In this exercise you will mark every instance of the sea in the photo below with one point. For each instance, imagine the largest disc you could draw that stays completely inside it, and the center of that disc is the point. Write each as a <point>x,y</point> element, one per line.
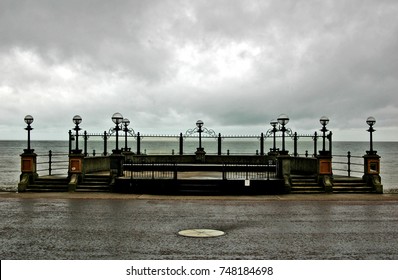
<point>10,152</point>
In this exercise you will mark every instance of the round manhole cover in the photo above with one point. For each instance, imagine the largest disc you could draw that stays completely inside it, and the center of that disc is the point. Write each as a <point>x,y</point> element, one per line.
<point>201,233</point>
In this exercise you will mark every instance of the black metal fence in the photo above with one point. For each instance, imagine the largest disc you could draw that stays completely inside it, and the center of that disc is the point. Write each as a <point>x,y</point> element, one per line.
<point>348,164</point>
<point>226,171</point>
<point>52,163</point>
<point>186,144</point>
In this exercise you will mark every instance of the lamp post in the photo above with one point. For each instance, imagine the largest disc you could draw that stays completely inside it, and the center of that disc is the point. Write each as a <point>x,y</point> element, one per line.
<point>117,118</point>
<point>199,124</point>
<point>372,162</point>
<point>126,123</point>
<point>28,161</point>
<point>77,120</point>
<point>371,121</point>
<point>28,120</point>
<point>273,123</point>
<point>324,121</point>
<point>283,120</point>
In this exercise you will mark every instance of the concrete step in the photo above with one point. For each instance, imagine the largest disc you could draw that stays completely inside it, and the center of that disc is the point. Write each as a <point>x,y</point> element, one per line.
<point>49,184</point>
<point>94,183</point>
<point>305,184</point>
<point>307,189</point>
<point>47,188</point>
<point>339,180</point>
<point>97,188</point>
<point>350,185</point>
<point>352,189</point>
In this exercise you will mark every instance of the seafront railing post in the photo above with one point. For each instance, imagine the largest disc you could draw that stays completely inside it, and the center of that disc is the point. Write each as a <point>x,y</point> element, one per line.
<point>50,154</point>
<point>138,143</point>
<point>219,140</point>
<point>70,141</point>
<point>181,143</point>
<point>105,137</point>
<point>349,163</point>
<point>330,136</point>
<point>85,137</point>
<point>315,139</point>
<point>273,131</point>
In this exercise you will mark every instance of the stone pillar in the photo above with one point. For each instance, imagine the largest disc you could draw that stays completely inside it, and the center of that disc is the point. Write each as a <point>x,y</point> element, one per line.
<point>28,170</point>
<point>76,170</point>
<point>325,173</point>
<point>284,172</point>
<point>372,171</point>
<point>116,165</point>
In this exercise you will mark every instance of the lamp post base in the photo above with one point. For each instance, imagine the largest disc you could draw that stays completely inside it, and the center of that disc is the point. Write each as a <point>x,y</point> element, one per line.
<point>116,152</point>
<point>284,153</point>
<point>200,155</point>
<point>325,153</point>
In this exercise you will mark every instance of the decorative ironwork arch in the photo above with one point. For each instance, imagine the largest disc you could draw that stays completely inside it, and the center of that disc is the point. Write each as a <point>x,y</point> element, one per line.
<point>205,130</point>
<point>130,131</point>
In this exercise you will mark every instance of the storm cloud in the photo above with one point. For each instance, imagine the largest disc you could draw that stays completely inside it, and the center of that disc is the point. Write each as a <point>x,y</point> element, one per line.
<point>164,64</point>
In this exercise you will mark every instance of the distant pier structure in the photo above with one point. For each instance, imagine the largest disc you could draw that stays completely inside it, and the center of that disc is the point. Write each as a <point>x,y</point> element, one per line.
<point>276,171</point>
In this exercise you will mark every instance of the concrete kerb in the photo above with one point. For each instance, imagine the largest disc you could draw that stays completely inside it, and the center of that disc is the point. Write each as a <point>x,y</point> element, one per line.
<point>284,197</point>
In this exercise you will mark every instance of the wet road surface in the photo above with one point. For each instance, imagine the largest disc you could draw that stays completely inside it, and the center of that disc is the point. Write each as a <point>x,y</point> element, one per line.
<point>46,228</point>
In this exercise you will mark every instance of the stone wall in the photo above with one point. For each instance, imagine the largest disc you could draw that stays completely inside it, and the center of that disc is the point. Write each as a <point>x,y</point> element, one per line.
<point>304,165</point>
<point>96,164</point>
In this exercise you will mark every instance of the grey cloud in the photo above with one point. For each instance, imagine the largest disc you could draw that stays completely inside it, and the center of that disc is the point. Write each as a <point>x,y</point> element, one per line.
<point>234,64</point>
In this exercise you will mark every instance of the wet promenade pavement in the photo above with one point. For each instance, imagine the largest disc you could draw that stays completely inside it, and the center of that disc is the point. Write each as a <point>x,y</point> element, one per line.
<point>111,226</point>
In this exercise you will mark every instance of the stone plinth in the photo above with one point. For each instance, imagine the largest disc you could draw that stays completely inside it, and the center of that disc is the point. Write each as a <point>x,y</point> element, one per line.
<point>28,169</point>
<point>325,172</point>
<point>372,171</point>
<point>284,168</point>
<point>200,155</point>
<point>75,170</point>
<point>116,164</point>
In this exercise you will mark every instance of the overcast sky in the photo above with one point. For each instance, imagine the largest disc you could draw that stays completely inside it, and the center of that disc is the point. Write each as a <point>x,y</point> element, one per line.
<point>236,65</point>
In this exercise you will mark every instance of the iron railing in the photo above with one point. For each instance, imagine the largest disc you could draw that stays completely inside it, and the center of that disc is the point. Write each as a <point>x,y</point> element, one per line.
<point>50,162</point>
<point>225,171</point>
<point>350,165</point>
<point>180,142</point>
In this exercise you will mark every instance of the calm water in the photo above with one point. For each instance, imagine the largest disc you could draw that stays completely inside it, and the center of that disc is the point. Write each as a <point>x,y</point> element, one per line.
<point>11,150</point>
